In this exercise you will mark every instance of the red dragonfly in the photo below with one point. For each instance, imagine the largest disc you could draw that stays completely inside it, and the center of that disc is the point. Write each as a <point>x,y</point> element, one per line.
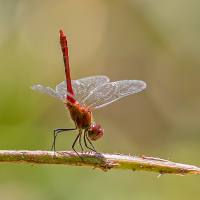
<point>83,95</point>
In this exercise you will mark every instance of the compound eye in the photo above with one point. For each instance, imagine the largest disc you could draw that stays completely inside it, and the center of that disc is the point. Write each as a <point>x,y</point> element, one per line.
<point>95,132</point>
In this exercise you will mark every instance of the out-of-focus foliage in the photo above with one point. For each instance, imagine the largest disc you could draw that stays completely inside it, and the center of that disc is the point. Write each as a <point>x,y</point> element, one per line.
<point>154,41</point>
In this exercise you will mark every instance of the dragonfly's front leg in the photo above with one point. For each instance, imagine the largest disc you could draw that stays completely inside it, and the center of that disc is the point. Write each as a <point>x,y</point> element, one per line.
<point>86,136</point>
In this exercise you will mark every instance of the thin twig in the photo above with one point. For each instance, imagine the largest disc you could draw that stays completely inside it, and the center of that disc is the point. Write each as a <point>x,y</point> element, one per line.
<point>103,161</point>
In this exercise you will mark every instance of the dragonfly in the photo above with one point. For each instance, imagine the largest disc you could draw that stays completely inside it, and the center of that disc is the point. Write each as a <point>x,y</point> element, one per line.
<point>84,95</point>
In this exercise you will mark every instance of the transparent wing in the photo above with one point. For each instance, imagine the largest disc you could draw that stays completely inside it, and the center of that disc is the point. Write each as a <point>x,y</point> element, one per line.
<point>83,87</point>
<point>60,94</point>
<point>62,89</point>
<point>49,91</point>
<point>109,92</point>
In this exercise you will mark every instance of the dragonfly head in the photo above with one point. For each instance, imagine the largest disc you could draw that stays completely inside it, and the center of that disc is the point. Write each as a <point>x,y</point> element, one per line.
<point>95,132</point>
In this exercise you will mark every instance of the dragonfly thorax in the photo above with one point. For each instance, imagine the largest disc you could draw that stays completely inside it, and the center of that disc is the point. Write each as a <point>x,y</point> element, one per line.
<point>95,132</point>
<point>82,117</point>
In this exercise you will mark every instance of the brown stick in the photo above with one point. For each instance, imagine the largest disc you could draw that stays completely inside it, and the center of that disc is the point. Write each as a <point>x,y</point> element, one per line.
<point>103,161</point>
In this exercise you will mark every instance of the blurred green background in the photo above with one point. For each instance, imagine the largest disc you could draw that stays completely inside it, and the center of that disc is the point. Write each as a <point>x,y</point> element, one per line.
<point>154,41</point>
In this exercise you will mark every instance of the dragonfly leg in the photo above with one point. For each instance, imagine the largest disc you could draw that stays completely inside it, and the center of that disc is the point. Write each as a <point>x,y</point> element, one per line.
<point>79,140</point>
<point>78,137</point>
<point>85,136</point>
<point>55,132</point>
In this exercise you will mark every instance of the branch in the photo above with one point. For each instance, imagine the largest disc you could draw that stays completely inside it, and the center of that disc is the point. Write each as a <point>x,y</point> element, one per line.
<point>102,161</point>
